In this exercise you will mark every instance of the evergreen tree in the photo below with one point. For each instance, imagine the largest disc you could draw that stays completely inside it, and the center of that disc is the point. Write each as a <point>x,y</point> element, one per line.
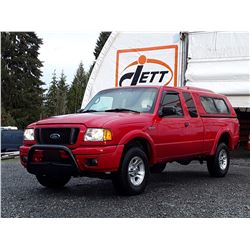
<point>51,97</point>
<point>22,92</point>
<point>76,91</point>
<point>103,37</point>
<point>61,96</point>
<point>6,118</point>
<point>100,43</point>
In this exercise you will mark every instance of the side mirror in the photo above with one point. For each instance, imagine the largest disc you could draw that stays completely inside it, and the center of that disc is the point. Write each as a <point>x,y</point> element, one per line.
<point>167,111</point>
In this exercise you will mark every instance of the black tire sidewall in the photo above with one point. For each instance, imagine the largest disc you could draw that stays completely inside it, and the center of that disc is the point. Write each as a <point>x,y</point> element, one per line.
<point>122,182</point>
<point>53,181</point>
<point>214,165</point>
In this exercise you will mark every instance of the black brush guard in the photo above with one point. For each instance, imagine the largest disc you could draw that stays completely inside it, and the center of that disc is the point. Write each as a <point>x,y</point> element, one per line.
<point>51,167</point>
<point>55,168</point>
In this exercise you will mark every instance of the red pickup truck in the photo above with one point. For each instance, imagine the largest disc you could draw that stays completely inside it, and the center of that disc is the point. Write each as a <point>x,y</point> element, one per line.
<point>126,133</point>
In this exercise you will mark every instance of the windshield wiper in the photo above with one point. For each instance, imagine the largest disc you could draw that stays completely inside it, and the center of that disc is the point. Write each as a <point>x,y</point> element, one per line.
<point>121,110</point>
<point>88,111</point>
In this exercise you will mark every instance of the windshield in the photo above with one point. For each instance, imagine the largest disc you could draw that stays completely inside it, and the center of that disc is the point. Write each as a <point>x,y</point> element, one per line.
<point>123,99</point>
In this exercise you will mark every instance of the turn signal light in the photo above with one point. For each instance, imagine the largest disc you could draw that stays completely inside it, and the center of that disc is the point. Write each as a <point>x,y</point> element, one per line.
<point>107,135</point>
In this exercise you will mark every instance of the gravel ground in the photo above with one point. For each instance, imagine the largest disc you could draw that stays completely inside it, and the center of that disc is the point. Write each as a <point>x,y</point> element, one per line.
<point>180,191</point>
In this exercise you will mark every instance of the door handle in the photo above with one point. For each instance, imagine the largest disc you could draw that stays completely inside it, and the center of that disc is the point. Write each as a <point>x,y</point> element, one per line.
<point>186,124</point>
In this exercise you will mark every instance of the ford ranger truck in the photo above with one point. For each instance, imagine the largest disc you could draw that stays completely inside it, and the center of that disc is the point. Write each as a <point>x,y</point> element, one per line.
<point>127,133</point>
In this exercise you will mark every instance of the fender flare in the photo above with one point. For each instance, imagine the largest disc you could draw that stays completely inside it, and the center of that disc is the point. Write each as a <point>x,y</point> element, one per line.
<point>140,134</point>
<point>217,138</point>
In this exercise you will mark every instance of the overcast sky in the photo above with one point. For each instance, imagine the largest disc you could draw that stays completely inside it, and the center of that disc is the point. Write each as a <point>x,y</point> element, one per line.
<point>64,51</point>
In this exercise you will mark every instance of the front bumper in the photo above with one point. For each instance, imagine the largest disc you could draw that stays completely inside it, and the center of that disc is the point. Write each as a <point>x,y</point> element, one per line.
<point>75,162</point>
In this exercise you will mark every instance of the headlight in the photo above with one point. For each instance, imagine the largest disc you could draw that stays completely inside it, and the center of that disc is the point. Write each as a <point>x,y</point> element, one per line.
<point>29,134</point>
<point>98,134</point>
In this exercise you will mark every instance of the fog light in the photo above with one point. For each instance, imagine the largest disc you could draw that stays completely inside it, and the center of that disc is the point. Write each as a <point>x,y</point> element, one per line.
<point>37,156</point>
<point>91,162</point>
<point>63,154</point>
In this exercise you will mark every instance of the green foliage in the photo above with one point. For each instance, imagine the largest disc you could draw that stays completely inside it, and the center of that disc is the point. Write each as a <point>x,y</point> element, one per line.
<point>77,89</point>
<point>103,37</point>
<point>51,97</point>
<point>22,92</point>
<point>61,99</point>
<point>23,100</point>
<point>61,95</point>
<point>100,43</point>
<point>7,119</point>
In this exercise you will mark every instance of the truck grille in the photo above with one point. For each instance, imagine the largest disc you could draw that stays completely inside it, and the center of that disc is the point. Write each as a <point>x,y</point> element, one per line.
<point>58,136</point>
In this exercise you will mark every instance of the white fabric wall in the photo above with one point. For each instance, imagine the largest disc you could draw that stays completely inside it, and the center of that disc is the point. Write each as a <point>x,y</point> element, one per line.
<point>219,61</point>
<point>103,74</point>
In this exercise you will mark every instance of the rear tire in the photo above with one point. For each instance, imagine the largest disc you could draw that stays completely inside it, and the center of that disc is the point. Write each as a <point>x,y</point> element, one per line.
<point>132,177</point>
<point>53,181</point>
<point>158,168</point>
<point>218,164</point>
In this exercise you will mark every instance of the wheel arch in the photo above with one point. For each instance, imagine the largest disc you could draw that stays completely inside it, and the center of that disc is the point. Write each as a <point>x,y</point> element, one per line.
<point>223,136</point>
<point>142,141</point>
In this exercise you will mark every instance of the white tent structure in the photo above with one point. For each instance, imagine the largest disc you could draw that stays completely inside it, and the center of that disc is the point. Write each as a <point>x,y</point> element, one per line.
<point>219,61</point>
<point>123,48</point>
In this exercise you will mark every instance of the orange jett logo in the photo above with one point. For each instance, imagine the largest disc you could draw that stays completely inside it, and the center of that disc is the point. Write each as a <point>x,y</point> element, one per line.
<point>154,65</point>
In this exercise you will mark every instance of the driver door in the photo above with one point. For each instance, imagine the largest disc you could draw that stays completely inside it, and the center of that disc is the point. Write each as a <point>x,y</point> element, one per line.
<point>171,128</point>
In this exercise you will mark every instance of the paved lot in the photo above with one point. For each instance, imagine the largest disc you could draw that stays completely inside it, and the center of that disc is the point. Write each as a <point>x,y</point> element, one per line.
<point>181,191</point>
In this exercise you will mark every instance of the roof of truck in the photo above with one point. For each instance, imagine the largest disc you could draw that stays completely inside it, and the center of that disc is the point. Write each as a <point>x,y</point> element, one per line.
<point>196,89</point>
<point>191,89</point>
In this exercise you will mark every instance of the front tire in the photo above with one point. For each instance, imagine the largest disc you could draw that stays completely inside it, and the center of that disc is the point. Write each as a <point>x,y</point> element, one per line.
<point>132,177</point>
<point>218,164</point>
<point>53,181</point>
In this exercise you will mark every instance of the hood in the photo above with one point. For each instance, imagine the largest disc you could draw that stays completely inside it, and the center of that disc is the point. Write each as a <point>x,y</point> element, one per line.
<point>97,119</point>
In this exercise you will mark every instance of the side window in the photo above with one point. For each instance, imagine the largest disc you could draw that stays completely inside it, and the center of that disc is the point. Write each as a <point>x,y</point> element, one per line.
<point>208,105</point>
<point>214,105</point>
<point>190,104</point>
<point>171,101</point>
<point>221,106</point>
